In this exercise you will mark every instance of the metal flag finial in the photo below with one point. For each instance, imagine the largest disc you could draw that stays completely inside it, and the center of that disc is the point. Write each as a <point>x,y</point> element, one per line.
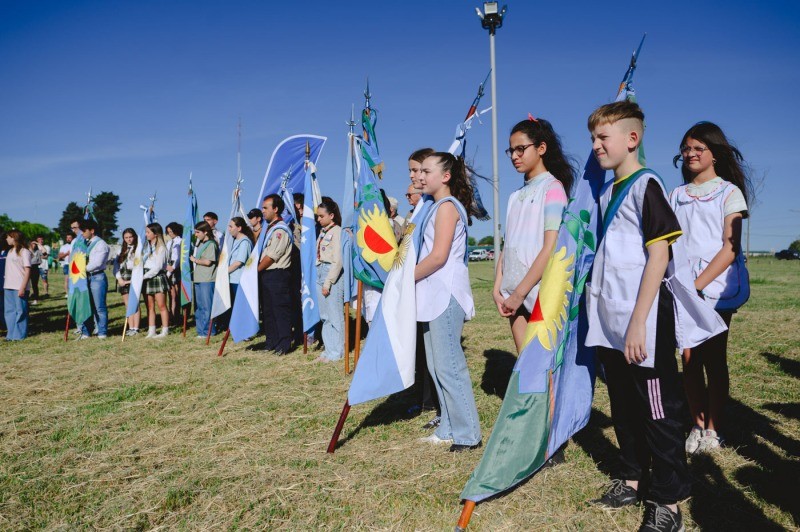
<point>367,95</point>
<point>352,122</point>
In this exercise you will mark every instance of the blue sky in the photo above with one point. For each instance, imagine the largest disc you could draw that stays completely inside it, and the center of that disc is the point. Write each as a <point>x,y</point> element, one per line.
<point>132,96</point>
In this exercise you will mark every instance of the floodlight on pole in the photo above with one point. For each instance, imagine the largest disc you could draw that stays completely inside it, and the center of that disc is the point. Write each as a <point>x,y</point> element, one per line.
<point>492,19</point>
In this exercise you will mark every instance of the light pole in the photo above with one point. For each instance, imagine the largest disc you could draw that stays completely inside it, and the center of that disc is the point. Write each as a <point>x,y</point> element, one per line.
<point>491,19</point>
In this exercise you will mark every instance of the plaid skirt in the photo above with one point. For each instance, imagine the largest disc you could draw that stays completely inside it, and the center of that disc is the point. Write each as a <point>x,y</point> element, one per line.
<point>157,284</point>
<point>125,273</point>
<point>175,278</point>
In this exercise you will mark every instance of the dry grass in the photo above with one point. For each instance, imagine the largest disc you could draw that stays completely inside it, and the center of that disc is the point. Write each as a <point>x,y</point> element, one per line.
<point>163,434</point>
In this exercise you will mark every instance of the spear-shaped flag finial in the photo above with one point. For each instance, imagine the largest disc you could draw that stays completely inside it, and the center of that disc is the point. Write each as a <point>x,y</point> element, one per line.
<point>628,78</point>
<point>352,122</point>
<point>367,95</point>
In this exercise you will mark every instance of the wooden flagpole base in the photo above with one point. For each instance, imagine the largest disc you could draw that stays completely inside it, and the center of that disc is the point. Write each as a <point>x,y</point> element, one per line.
<point>210,325</point>
<point>305,343</point>
<point>66,329</point>
<point>466,515</point>
<point>359,302</point>
<point>224,341</point>
<point>124,329</point>
<point>339,426</point>
<point>347,338</point>
<point>185,319</point>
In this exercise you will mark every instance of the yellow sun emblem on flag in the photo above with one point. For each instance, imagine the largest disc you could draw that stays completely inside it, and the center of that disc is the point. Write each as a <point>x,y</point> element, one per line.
<point>550,310</point>
<point>402,248</point>
<point>77,267</point>
<point>376,238</point>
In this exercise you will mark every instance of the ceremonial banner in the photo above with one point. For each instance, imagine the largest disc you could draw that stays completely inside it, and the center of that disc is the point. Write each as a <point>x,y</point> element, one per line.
<point>289,156</point>
<point>308,256</point>
<point>244,316</point>
<point>79,303</point>
<point>374,243</point>
<point>139,256</point>
<point>186,247</point>
<point>222,280</point>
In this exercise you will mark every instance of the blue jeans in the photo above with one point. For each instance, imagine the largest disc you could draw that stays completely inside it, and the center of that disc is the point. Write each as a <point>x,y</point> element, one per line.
<point>331,312</point>
<point>15,310</point>
<point>98,287</point>
<point>448,367</point>
<point>203,296</point>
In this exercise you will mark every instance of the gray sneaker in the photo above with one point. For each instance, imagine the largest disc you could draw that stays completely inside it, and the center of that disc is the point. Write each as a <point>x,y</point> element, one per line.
<point>710,441</point>
<point>618,495</point>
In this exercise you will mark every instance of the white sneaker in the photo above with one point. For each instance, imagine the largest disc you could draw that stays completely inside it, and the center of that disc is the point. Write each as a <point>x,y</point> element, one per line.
<point>83,337</point>
<point>709,442</point>
<point>131,332</point>
<point>164,333</point>
<point>693,441</point>
<point>151,333</point>
<point>101,336</point>
<point>436,440</point>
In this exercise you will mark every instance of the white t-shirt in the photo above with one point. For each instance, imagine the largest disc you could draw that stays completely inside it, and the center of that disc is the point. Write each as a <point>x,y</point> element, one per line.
<point>66,248</point>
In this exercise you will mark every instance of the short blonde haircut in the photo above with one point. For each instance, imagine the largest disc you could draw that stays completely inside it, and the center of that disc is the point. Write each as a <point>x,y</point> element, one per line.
<point>614,112</point>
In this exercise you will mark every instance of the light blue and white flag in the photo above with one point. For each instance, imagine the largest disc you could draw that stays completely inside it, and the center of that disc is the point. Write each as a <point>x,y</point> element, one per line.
<point>244,316</point>
<point>222,282</point>
<point>137,275</point>
<point>387,361</point>
<point>308,256</point>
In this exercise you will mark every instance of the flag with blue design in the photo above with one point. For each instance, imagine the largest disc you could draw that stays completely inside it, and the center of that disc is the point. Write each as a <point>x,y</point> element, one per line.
<point>189,222</point>
<point>287,194</point>
<point>221,301</point>
<point>79,304</point>
<point>549,395</point>
<point>139,257</point>
<point>244,316</point>
<point>374,243</point>
<point>289,156</point>
<point>308,255</point>
<point>348,214</point>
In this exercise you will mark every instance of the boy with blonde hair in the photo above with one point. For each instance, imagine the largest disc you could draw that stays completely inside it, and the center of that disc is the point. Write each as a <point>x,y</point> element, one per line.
<point>631,310</point>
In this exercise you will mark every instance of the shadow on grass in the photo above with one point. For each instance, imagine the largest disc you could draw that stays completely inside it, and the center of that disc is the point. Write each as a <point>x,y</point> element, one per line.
<point>396,407</point>
<point>594,443</point>
<point>787,410</point>
<point>789,367</point>
<point>497,372</point>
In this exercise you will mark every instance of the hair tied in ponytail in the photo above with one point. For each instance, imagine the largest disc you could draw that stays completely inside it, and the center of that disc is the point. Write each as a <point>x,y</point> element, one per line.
<point>531,118</point>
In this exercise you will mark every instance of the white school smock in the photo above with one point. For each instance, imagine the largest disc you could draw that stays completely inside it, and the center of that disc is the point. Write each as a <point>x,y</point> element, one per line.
<point>452,279</point>
<point>703,221</point>
<point>524,235</point>
<point>617,274</point>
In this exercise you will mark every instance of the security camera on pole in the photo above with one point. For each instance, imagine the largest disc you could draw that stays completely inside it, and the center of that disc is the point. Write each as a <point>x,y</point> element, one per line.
<point>492,19</point>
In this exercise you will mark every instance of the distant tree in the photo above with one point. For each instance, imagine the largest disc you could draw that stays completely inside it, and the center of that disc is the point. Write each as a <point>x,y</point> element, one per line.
<point>471,241</point>
<point>106,207</point>
<point>72,212</point>
<point>486,241</point>
<point>30,230</point>
<point>795,246</point>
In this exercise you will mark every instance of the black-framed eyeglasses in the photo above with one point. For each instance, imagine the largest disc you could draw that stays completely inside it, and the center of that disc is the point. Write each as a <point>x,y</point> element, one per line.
<point>518,150</point>
<point>409,195</point>
<point>687,150</point>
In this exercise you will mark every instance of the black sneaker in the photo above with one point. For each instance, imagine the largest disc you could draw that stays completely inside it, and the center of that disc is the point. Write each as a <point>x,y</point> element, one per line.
<point>618,495</point>
<point>659,518</point>
<point>460,447</point>
<point>433,423</point>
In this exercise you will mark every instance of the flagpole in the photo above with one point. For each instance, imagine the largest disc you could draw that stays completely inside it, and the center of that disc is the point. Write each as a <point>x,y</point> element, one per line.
<point>208,336</point>
<point>66,328</point>
<point>185,318</point>
<point>124,329</point>
<point>359,301</point>
<point>305,333</point>
<point>339,426</point>
<point>351,124</point>
<point>224,341</point>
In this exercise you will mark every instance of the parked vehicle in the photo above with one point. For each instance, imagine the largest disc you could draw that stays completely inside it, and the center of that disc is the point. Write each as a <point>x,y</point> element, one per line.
<point>478,254</point>
<point>490,254</point>
<point>788,254</point>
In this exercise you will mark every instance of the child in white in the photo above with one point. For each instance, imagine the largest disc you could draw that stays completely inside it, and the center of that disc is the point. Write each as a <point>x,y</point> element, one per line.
<point>710,207</point>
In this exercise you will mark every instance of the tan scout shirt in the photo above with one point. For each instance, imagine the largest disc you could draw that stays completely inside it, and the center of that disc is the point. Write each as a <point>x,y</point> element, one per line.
<point>329,249</point>
<point>278,249</point>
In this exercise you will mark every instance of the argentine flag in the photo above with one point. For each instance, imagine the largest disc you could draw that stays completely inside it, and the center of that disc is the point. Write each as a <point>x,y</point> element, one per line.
<point>244,317</point>
<point>387,361</point>
<point>137,275</point>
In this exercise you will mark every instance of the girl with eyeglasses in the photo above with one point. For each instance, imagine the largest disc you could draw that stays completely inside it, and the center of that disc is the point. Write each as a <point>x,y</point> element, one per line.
<point>532,219</point>
<point>710,207</point>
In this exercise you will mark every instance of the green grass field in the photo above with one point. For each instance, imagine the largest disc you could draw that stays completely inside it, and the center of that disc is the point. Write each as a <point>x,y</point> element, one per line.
<point>152,434</point>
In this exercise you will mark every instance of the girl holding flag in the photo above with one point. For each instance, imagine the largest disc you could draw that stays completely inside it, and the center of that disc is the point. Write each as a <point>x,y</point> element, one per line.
<point>533,217</point>
<point>205,271</point>
<point>330,287</point>
<point>123,270</point>
<point>155,280</point>
<point>243,242</point>
<point>444,297</point>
